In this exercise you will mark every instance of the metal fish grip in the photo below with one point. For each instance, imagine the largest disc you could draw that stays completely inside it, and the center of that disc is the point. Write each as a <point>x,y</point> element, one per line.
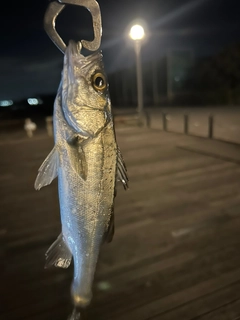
<point>55,8</point>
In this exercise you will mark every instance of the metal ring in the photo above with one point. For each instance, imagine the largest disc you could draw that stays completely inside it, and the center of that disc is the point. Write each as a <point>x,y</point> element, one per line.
<point>55,8</point>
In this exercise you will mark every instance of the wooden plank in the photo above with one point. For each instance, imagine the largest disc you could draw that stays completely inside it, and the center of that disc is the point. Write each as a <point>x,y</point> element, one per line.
<point>204,304</point>
<point>169,306</point>
<point>177,233</point>
<point>164,283</point>
<point>230,311</point>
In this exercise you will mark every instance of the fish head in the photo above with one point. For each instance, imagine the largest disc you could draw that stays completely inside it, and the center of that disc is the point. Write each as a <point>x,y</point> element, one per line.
<point>85,95</point>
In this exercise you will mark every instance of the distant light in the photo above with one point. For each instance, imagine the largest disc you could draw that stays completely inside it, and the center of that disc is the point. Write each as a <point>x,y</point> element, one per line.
<point>177,79</point>
<point>137,32</point>
<point>32,101</point>
<point>104,286</point>
<point>6,103</point>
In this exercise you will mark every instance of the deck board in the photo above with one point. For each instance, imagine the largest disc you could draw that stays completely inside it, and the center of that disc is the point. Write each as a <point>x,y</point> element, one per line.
<point>175,253</point>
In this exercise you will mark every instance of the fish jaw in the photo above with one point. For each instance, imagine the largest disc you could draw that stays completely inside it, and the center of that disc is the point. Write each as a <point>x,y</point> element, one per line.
<point>80,99</point>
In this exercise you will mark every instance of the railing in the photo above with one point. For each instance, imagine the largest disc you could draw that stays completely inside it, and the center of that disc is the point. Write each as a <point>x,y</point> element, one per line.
<point>223,127</point>
<point>186,124</point>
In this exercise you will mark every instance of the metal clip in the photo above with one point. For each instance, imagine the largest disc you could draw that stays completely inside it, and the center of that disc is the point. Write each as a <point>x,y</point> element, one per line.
<point>54,10</point>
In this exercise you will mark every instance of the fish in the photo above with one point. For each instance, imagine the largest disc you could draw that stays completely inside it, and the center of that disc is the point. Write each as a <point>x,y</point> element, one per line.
<point>88,163</point>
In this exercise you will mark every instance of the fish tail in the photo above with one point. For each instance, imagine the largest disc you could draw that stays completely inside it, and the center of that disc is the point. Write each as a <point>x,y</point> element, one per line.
<point>81,300</point>
<point>81,288</point>
<point>76,315</point>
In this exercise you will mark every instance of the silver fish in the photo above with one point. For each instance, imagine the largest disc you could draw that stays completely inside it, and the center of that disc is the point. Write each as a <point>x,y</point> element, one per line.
<point>88,162</point>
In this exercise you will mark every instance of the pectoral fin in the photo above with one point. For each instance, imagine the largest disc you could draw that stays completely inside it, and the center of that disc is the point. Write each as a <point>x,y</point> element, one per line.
<point>83,169</point>
<point>58,254</point>
<point>122,170</point>
<point>48,170</point>
<point>78,158</point>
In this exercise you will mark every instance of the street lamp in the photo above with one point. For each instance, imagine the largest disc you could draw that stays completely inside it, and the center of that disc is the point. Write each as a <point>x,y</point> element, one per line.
<point>137,34</point>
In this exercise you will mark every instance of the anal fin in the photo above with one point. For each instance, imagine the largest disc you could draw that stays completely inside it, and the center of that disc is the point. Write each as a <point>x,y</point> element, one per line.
<point>58,254</point>
<point>48,170</point>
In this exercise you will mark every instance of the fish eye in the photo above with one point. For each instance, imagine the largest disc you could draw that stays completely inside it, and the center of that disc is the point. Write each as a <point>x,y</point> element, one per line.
<point>99,81</point>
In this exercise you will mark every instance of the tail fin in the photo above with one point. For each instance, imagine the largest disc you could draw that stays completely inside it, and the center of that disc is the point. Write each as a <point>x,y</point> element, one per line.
<point>77,314</point>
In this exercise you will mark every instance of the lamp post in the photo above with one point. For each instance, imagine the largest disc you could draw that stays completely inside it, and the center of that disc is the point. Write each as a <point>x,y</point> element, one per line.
<point>137,34</point>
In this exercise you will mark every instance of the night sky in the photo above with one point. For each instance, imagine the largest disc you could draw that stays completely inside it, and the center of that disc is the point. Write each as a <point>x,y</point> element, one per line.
<point>30,64</point>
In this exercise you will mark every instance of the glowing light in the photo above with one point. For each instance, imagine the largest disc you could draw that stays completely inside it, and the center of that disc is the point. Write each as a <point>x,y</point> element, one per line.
<point>33,101</point>
<point>137,32</point>
<point>104,286</point>
<point>6,103</point>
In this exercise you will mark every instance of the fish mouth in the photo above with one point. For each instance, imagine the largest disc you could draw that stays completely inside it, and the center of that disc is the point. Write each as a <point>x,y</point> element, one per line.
<point>74,48</point>
<point>72,53</point>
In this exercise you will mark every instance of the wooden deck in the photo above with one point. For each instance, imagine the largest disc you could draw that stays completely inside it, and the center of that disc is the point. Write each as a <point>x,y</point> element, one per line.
<point>176,249</point>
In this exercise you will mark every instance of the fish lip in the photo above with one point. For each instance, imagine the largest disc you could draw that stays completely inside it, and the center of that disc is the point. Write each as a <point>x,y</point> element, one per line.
<point>74,48</point>
<point>73,53</point>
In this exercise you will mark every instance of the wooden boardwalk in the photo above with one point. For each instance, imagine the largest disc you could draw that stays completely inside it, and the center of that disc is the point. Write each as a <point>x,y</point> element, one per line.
<point>176,249</point>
